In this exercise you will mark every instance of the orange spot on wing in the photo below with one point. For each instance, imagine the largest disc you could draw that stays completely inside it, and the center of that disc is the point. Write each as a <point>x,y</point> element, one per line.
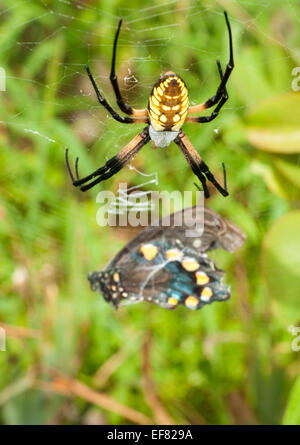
<point>190,264</point>
<point>149,251</point>
<point>191,301</point>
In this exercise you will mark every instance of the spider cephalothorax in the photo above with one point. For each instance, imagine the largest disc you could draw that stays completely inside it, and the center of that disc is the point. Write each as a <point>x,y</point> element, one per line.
<point>168,109</point>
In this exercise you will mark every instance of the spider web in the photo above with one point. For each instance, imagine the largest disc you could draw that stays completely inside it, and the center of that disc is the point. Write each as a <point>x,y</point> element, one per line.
<point>80,18</point>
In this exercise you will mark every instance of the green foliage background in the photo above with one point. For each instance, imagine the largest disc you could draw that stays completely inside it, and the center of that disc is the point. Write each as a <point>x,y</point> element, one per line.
<point>228,363</point>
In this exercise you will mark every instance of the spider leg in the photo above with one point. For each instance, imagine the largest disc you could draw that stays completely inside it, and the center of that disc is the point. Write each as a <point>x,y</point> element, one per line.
<point>114,114</point>
<point>221,91</point>
<point>198,165</point>
<point>113,77</point>
<point>229,66</point>
<point>76,182</point>
<point>223,190</point>
<point>225,93</point>
<point>68,165</point>
<point>192,161</point>
<point>112,166</point>
<point>216,111</point>
<point>76,168</point>
<point>114,81</point>
<point>212,116</point>
<point>202,179</point>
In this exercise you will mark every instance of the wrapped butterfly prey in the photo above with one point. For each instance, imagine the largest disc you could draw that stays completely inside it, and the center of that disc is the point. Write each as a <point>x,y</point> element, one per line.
<point>166,266</point>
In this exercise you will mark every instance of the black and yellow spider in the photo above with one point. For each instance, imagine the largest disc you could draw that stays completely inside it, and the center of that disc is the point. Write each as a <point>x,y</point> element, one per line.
<point>168,109</point>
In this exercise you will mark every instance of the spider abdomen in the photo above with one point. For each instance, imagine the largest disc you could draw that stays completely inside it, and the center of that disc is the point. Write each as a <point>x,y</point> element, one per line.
<point>168,103</point>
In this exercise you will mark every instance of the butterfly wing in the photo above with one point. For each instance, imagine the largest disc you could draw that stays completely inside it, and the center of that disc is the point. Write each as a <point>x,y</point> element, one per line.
<point>165,266</point>
<point>203,229</point>
<point>165,273</point>
<point>210,231</point>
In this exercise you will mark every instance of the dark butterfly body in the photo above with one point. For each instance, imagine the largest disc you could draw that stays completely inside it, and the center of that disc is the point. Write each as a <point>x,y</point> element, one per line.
<point>164,266</point>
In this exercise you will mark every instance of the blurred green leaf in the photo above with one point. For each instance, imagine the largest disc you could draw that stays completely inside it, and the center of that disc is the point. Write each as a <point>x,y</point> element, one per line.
<point>279,140</point>
<point>267,172</point>
<point>289,170</point>
<point>273,124</point>
<point>292,411</point>
<point>250,76</point>
<point>280,263</point>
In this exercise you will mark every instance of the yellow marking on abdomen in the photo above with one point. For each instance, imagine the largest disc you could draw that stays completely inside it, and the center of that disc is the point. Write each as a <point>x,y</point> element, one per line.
<point>171,97</point>
<point>154,100</point>
<point>155,110</point>
<point>168,104</point>
<point>156,95</point>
